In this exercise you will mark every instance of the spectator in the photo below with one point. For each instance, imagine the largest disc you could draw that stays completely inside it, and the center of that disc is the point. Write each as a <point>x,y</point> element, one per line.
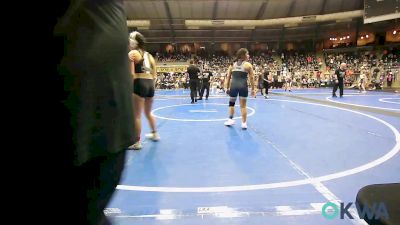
<point>389,79</point>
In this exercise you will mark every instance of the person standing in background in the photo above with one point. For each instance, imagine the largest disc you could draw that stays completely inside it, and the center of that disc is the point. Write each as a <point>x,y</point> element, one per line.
<point>200,65</point>
<point>276,76</point>
<point>389,79</point>
<point>338,80</point>
<point>206,79</point>
<point>193,72</point>
<point>362,82</point>
<point>288,82</point>
<point>266,83</point>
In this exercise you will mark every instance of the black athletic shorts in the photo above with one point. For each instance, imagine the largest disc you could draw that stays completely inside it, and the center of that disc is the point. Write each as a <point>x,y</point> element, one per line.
<point>241,91</point>
<point>143,87</point>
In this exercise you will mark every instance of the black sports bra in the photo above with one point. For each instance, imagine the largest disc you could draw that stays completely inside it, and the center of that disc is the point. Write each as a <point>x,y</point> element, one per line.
<point>143,66</point>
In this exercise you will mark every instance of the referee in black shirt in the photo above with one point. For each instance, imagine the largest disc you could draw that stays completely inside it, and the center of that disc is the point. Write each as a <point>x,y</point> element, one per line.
<point>338,80</point>
<point>205,83</point>
<point>193,72</point>
<point>265,83</point>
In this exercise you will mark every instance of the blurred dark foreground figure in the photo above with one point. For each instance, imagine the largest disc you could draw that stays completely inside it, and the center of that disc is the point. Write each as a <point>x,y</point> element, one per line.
<point>90,40</point>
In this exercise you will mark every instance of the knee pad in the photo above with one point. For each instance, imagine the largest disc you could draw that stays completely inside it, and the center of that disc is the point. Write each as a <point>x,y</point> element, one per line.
<point>231,104</point>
